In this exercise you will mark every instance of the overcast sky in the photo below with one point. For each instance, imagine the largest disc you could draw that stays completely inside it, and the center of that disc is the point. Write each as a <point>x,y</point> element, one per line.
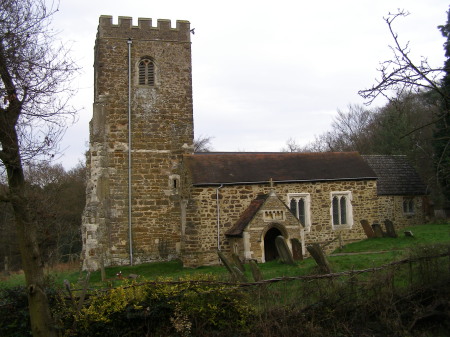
<point>263,71</point>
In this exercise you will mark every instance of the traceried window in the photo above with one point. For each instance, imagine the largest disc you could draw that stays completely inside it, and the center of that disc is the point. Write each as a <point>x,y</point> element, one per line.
<point>146,72</point>
<point>299,204</point>
<point>408,206</point>
<point>341,209</point>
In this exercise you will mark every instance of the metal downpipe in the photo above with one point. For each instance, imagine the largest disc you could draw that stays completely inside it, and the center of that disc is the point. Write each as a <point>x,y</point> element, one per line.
<point>218,216</point>
<point>130,234</point>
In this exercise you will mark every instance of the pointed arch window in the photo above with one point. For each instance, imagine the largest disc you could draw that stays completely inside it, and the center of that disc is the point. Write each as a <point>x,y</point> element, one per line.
<point>408,206</point>
<point>341,210</point>
<point>299,204</point>
<point>146,72</point>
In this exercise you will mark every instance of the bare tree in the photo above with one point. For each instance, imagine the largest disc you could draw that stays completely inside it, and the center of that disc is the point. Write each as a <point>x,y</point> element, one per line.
<point>58,199</point>
<point>401,75</point>
<point>203,144</point>
<point>352,129</point>
<point>34,85</point>
<point>292,146</point>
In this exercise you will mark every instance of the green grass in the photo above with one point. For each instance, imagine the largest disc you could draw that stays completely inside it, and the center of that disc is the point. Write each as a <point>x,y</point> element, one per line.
<point>384,250</point>
<point>423,234</point>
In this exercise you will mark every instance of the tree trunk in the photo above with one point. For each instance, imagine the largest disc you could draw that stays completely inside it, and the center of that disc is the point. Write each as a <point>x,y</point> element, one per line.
<point>32,73</point>
<point>40,316</point>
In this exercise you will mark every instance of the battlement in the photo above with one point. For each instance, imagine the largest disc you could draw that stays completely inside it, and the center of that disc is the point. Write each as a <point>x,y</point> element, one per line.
<point>144,30</point>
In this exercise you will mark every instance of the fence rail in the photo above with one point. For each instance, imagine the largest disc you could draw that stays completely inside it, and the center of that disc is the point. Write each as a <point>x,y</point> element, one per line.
<point>336,275</point>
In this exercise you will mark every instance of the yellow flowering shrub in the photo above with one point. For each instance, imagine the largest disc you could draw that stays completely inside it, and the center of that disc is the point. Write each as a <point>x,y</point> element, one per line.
<point>105,303</point>
<point>186,307</point>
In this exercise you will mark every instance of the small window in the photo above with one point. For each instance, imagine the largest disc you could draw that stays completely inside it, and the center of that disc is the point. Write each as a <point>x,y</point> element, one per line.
<point>408,206</point>
<point>299,204</point>
<point>174,183</point>
<point>341,209</point>
<point>146,72</point>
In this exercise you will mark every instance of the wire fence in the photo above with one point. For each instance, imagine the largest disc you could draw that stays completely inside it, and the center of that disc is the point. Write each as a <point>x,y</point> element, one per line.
<point>402,273</point>
<point>391,299</point>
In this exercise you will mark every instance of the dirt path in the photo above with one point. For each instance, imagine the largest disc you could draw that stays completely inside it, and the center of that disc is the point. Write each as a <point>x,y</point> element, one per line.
<point>362,253</point>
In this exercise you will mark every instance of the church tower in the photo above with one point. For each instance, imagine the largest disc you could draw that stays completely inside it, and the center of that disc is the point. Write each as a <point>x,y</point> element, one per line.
<point>142,124</point>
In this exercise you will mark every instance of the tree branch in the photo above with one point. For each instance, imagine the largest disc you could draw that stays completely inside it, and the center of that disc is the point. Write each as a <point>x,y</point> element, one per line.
<point>401,74</point>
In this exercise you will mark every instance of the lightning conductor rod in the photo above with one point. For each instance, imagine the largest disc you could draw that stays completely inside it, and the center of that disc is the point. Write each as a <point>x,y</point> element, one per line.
<point>130,234</point>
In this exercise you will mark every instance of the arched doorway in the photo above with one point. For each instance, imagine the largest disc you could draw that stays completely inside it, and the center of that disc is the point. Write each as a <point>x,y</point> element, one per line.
<point>270,249</point>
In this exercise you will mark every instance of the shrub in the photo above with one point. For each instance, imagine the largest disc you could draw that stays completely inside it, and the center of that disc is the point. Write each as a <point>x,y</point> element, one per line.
<point>14,316</point>
<point>197,305</point>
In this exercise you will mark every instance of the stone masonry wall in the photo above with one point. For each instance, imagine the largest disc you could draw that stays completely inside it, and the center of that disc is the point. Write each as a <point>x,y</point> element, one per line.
<point>201,221</point>
<point>391,207</point>
<point>162,130</point>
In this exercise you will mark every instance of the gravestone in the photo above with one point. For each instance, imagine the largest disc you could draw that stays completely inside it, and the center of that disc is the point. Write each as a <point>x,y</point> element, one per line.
<point>367,229</point>
<point>237,261</point>
<point>257,276</point>
<point>297,249</point>
<point>317,253</point>
<point>234,271</point>
<point>283,250</point>
<point>390,229</point>
<point>377,230</point>
<point>409,234</point>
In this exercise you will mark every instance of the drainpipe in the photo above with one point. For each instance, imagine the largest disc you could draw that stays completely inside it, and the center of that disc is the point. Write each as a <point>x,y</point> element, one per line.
<point>130,235</point>
<point>218,216</point>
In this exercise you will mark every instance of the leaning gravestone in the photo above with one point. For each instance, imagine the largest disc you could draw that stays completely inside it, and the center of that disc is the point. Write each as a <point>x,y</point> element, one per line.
<point>234,271</point>
<point>367,229</point>
<point>283,250</point>
<point>257,276</point>
<point>390,229</point>
<point>377,230</point>
<point>237,261</point>
<point>297,249</point>
<point>317,253</point>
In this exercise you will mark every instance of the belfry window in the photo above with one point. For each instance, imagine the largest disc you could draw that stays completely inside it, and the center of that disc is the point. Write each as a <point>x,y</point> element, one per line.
<point>146,72</point>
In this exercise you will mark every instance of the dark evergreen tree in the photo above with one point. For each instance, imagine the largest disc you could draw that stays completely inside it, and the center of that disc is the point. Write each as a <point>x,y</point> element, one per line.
<point>442,131</point>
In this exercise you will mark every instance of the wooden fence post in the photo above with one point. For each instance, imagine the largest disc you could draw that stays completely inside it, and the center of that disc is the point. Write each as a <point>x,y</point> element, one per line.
<point>449,259</point>
<point>6,270</point>
<point>102,268</point>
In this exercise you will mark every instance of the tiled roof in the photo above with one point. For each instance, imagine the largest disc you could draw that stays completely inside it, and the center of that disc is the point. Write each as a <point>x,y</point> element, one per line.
<point>246,168</point>
<point>246,216</point>
<point>396,176</point>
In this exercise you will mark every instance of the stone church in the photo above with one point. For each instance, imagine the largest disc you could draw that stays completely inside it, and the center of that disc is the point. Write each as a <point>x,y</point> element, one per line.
<point>150,198</point>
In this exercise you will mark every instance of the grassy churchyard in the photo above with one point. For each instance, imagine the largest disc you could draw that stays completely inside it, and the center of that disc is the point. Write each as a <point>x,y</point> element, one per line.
<point>376,287</point>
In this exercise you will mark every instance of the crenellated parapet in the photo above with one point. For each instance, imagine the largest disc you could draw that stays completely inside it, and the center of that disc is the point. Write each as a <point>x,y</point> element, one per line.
<point>144,30</point>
